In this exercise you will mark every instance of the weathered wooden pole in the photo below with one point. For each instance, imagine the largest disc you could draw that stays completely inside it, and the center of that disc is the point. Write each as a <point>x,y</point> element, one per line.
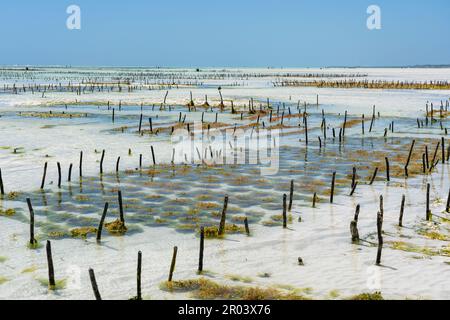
<point>409,157</point>
<point>247,229</point>
<point>43,176</point>
<point>428,213</point>
<point>291,195</point>
<point>51,271</point>
<point>380,237</point>
<point>94,285</point>
<point>314,199</point>
<point>153,155</point>
<point>374,176</point>
<point>402,209</point>
<point>138,276</point>
<point>59,174</point>
<point>284,211</point>
<point>69,176</point>
<point>388,176</point>
<point>333,181</point>
<point>354,231</point>
<point>2,189</point>
<point>140,123</point>
<point>172,265</point>
<point>102,221</point>
<point>119,195</point>
<point>30,208</point>
<point>447,209</point>
<point>223,217</point>
<point>202,247</point>
<point>117,164</point>
<point>81,164</point>
<point>101,161</point>
<point>443,149</point>
<point>306,130</point>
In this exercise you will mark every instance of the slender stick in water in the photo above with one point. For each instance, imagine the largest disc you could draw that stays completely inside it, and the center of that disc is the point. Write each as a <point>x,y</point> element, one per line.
<point>51,271</point>
<point>94,285</point>
<point>172,265</point>
<point>102,221</point>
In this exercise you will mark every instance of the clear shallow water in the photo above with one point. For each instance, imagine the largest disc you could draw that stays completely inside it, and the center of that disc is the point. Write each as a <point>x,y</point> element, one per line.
<point>165,205</point>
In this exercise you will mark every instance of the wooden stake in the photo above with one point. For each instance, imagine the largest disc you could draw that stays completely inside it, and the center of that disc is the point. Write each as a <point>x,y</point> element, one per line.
<point>172,265</point>
<point>388,177</point>
<point>284,212</point>
<point>247,229</point>
<point>2,189</point>
<point>51,272</point>
<point>223,217</point>
<point>94,285</point>
<point>153,156</point>
<point>354,231</point>
<point>102,221</point>
<point>43,176</point>
<point>81,164</point>
<point>119,195</point>
<point>117,164</point>
<point>291,195</point>
<point>409,158</point>
<point>428,213</point>
<point>380,237</point>
<point>202,247</point>
<point>69,178</point>
<point>59,174</point>
<point>333,181</point>
<point>138,276</point>
<point>402,209</point>
<point>374,176</point>
<point>101,161</point>
<point>30,208</point>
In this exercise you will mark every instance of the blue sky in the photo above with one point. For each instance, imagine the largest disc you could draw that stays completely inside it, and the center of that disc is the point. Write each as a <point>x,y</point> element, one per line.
<point>200,33</point>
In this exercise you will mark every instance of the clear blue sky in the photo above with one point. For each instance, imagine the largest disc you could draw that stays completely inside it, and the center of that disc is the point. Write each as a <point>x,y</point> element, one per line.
<point>225,33</point>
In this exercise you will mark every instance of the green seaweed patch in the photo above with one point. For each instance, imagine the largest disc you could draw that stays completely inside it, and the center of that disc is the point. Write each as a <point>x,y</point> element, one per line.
<point>407,247</point>
<point>29,269</point>
<point>34,246</point>
<point>13,195</point>
<point>434,235</point>
<point>3,259</point>
<point>212,232</point>
<point>7,212</point>
<point>83,232</point>
<point>367,296</point>
<point>116,227</point>
<point>59,284</point>
<point>207,289</point>
<point>238,278</point>
<point>3,280</point>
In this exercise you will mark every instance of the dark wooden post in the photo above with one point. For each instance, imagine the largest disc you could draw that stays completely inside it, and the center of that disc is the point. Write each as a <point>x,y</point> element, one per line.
<point>428,213</point>
<point>402,208</point>
<point>101,161</point>
<point>81,164</point>
<point>380,237</point>
<point>44,175</point>
<point>51,272</point>
<point>202,247</point>
<point>102,221</point>
<point>30,208</point>
<point>291,195</point>
<point>388,177</point>
<point>374,176</point>
<point>247,229</point>
<point>59,174</point>
<point>139,269</point>
<point>223,217</point>
<point>119,195</point>
<point>69,178</point>
<point>153,155</point>
<point>172,265</point>
<point>409,158</point>
<point>94,285</point>
<point>2,189</point>
<point>284,212</point>
<point>333,181</point>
